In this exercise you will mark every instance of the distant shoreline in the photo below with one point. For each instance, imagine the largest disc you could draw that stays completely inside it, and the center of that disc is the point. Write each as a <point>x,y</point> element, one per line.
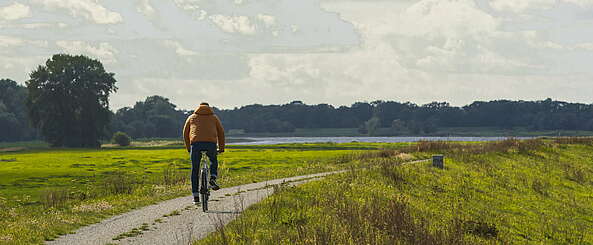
<point>441,132</point>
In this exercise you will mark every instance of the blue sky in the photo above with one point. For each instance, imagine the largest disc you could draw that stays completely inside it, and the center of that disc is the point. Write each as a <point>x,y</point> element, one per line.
<point>237,52</point>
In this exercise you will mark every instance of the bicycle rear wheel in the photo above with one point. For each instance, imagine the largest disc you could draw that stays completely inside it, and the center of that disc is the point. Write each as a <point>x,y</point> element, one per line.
<point>205,192</point>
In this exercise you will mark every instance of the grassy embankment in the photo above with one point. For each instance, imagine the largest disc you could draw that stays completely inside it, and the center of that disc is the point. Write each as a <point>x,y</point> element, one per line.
<point>49,192</point>
<point>529,192</point>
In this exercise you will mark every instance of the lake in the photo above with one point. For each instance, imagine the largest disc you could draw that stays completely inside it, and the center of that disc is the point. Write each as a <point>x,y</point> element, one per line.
<point>288,140</point>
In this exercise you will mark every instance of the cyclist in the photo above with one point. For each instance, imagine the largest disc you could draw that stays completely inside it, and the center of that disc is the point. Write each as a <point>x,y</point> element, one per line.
<point>201,132</point>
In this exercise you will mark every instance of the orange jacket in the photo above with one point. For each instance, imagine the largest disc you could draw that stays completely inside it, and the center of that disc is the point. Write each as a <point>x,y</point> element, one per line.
<point>203,126</point>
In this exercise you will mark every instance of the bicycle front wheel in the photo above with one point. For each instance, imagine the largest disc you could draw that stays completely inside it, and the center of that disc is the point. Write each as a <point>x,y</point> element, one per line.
<point>205,193</point>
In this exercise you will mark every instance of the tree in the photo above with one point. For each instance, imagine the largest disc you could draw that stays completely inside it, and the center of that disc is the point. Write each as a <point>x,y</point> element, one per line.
<point>9,125</point>
<point>430,125</point>
<point>414,127</point>
<point>153,117</point>
<point>121,138</point>
<point>372,125</point>
<point>14,122</point>
<point>69,100</point>
<point>398,126</point>
<point>362,129</point>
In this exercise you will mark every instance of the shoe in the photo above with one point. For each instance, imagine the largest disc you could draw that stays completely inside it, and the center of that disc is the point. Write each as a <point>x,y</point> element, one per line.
<point>213,184</point>
<point>196,200</point>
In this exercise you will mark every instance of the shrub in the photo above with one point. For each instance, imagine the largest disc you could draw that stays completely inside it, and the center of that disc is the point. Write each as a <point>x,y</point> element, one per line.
<point>121,139</point>
<point>480,228</point>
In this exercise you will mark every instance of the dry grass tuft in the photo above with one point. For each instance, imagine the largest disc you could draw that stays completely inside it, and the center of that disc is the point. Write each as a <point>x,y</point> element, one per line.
<point>119,183</point>
<point>506,145</point>
<point>93,207</point>
<point>574,140</point>
<point>174,176</point>
<point>6,238</point>
<point>54,197</point>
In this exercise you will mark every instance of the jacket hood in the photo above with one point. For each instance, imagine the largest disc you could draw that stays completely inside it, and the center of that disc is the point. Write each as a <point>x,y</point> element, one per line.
<point>204,110</point>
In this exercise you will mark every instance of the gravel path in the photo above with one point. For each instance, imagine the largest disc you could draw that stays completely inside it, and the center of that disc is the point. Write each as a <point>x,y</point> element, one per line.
<point>187,222</point>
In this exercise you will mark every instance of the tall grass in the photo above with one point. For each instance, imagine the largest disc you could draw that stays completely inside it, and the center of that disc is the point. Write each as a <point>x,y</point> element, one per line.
<point>119,183</point>
<point>363,155</point>
<point>574,140</point>
<point>114,183</point>
<point>174,176</point>
<point>477,148</point>
<point>54,197</point>
<point>296,217</point>
<point>457,148</point>
<point>507,192</point>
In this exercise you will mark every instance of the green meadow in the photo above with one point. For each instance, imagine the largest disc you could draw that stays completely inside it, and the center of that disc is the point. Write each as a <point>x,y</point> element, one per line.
<point>511,192</point>
<point>45,193</point>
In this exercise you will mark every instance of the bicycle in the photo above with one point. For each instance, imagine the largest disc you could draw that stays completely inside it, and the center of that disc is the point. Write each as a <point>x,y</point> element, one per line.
<point>204,181</point>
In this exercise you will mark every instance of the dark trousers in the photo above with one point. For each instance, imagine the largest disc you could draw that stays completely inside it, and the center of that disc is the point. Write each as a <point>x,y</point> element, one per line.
<point>196,157</point>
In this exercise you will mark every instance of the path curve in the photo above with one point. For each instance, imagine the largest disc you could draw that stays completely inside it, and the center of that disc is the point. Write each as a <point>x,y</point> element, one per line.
<point>188,225</point>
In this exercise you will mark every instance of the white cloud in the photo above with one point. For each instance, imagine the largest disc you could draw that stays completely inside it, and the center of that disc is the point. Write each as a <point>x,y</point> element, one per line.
<point>202,15</point>
<point>10,41</point>
<point>34,25</point>
<point>458,36</point>
<point>179,49</point>
<point>519,6</point>
<point>523,7</point>
<point>145,8</point>
<point>24,64</point>
<point>234,24</point>
<point>15,11</point>
<point>7,41</point>
<point>268,20</point>
<point>451,18</point>
<point>104,51</point>
<point>89,9</point>
<point>188,4</point>
<point>585,46</point>
<point>38,25</point>
<point>582,3</point>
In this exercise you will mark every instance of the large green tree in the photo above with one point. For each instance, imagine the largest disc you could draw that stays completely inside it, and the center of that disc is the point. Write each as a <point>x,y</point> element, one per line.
<point>14,124</point>
<point>69,100</point>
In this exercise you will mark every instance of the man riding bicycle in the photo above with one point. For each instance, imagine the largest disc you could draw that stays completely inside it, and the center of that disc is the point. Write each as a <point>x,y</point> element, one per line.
<point>201,132</point>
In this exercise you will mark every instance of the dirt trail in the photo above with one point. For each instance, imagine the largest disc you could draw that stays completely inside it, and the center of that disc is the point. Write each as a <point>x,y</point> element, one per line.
<point>178,221</point>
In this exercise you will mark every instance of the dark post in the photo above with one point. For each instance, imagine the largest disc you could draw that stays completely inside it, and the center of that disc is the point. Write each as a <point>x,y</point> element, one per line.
<point>438,161</point>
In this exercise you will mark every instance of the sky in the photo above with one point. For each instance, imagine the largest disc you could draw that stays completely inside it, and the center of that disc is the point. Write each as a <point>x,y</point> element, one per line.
<point>237,52</point>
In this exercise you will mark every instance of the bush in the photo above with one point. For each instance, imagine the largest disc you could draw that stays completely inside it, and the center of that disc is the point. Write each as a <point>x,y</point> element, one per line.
<point>121,139</point>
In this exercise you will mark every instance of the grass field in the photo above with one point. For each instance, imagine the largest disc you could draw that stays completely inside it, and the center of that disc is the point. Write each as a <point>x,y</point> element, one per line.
<point>531,192</point>
<point>45,193</point>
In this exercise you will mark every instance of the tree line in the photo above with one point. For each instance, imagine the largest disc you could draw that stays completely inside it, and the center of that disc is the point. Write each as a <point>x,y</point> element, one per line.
<point>504,114</point>
<point>66,103</point>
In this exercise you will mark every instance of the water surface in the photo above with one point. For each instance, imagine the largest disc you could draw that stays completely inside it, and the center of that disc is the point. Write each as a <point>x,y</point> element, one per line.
<point>288,140</point>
